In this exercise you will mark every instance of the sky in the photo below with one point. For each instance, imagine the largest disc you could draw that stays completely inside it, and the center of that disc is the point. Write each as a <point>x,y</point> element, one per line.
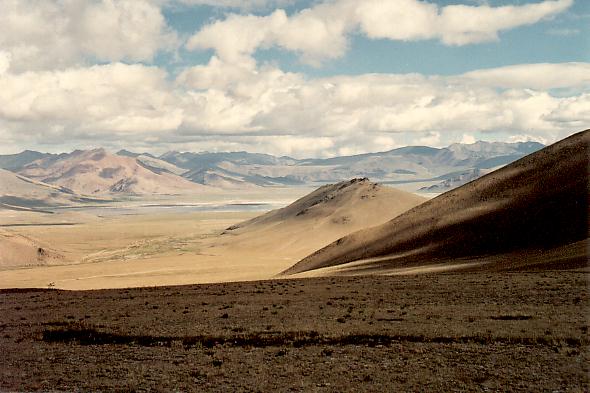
<point>304,78</point>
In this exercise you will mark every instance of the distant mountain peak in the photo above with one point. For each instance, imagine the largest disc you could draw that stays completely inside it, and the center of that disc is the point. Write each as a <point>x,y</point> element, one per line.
<point>127,153</point>
<point>415,150</point>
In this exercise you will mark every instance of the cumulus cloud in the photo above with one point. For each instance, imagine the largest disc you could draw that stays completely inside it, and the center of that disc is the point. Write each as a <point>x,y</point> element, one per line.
<point>52,90</point>
<point>45,34</point>
<point>321,32</point>
<point>227,98</point>
<point>573,112</point>
<point>109,99</point>
<point>461,24</point>
<point>223,105</point>
<point>526,138</point>
<point>468,139</point>
<point>268,101</point>
<point>247,5</point>
<point>539,76</point>
<point>283,112</point>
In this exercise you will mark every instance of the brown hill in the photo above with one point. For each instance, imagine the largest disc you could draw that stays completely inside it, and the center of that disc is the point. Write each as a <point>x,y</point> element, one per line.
<point>320,217</point>
<point>21,251</point>
<point>533,211</point>
<point>21,193</point>
<point>99,172</point>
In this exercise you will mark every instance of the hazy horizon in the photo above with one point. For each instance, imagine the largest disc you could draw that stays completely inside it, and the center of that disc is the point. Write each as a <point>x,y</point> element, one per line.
<point>157,153</point>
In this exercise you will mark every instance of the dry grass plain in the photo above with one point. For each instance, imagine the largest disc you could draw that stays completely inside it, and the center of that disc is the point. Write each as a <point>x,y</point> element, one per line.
<point>446,332</point>
<point>138,250</point>
<point>125,244</point>
<point>141,246</point>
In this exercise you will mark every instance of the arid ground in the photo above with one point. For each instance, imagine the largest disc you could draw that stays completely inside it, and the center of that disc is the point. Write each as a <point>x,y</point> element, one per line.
<point>128,244</point>
<point>501,306</point>
<point>155,249</point>
<point>447,332</point>
<point>125,245</point>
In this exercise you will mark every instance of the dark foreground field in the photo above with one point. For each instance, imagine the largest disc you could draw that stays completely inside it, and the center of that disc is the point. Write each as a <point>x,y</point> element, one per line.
<point>476,331</point>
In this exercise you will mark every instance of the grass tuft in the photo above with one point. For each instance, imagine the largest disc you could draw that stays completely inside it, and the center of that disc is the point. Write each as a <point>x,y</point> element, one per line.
<point>87,335</point>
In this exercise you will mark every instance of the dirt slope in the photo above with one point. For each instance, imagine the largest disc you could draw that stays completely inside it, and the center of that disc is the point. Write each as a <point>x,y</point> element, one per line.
<point>315,220</point>
<point>21,251</point>
<point>99,172</point>
<point>537,203</point>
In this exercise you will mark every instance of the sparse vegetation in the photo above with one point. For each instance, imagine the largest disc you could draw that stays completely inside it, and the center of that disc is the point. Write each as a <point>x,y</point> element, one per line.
<point>88,335</point>
<point>463,336</point>
<point>510,317</point>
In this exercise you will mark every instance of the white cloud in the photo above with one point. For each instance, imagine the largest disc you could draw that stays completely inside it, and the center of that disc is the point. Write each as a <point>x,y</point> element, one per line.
<point>51,93</point>
<point>468,139</point>
<point>541,76</point>
<point>127,29</point>
<point>321,32</point>
<point>227,98</point>
<point>316,33</point>
<point>430,139</point>
<point>246,5</point>
<point>526,138</point>
<point>573,112</point>
<point>291,145</point>
<point>461,24</point>
<point>364,111</point>
<point>5,59</point>
<point>265,109</point>
<point>238,36</point>
<point>45,34</point>
<point>402,20</point>
<point>111,99</point>
<point>356,111</point>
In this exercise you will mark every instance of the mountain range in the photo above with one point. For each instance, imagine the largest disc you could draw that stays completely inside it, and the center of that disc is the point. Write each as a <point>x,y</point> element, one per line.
<point>413,164</point>
<point>99,172</point>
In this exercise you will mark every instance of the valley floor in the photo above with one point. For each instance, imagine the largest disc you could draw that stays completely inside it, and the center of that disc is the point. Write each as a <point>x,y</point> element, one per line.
<point>470,331</point>
<point>145,243</point>
<point>143,250</point>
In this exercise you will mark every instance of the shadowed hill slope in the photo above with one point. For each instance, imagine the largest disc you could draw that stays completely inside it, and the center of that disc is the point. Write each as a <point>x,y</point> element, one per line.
<point>535,204</point>
<point>321,217</point>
